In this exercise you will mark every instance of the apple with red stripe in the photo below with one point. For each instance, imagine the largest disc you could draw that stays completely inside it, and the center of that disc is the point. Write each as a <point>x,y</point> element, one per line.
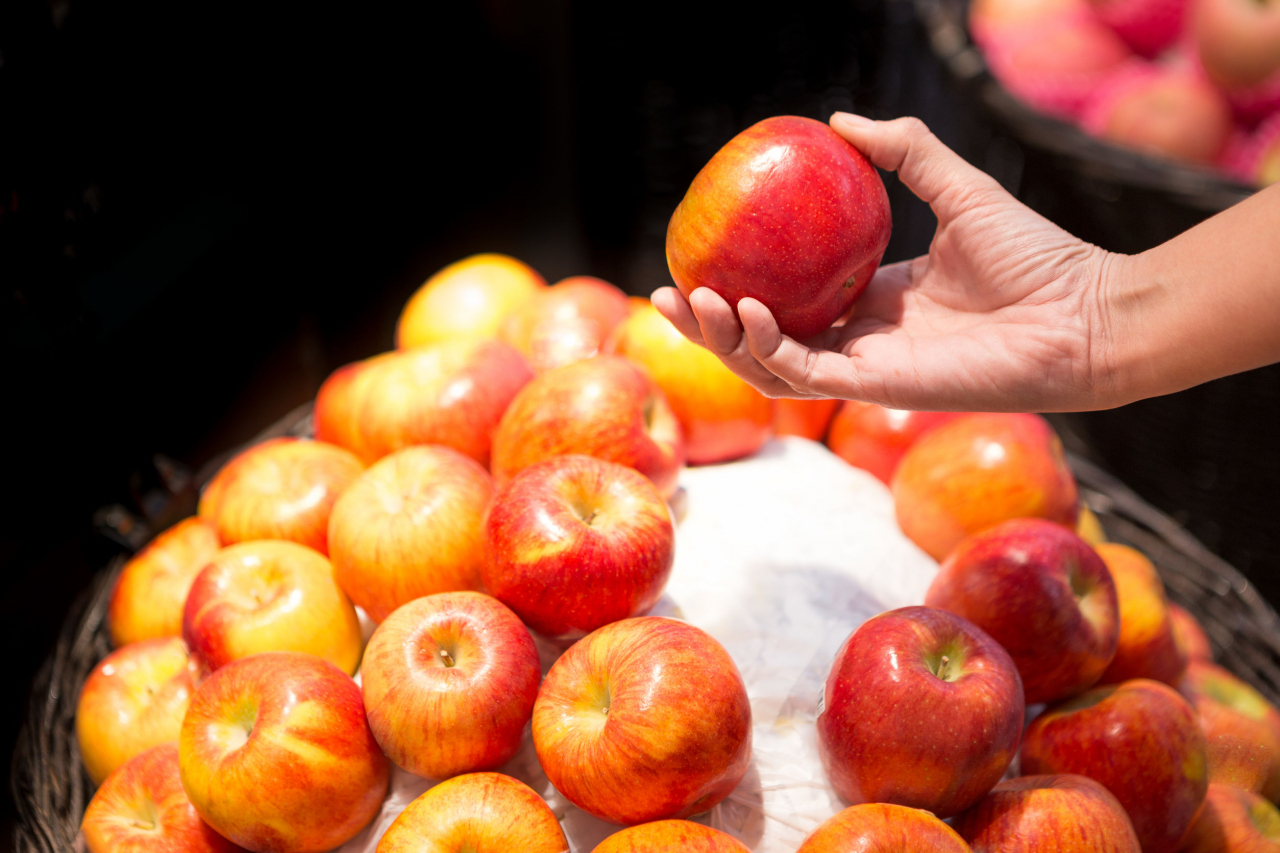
<point>148,598</point>
<point>883,828</point>
<point>1048,814</point>
<point>671,836</point>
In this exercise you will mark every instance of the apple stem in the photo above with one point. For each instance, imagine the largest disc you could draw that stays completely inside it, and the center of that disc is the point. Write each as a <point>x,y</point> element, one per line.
<point>942,667</point>
<point>446,657</point>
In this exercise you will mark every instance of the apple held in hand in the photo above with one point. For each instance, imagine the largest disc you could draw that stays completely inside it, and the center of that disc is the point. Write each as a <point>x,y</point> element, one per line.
<point>147,601</point>
<point>875,439</point>
<point>806,418</point>
<point>788,213</point>
<point>1189,635</point>
<point>922,709</point>
<point>1147,647</point>
<point>1048,814</point>
<point>276,754</point>
<point>1234,821</point>
<point>643,720</point>
<point>467,300</point>
<point>671,836</point>
<point>883,828</point>
<point>1241,729</point>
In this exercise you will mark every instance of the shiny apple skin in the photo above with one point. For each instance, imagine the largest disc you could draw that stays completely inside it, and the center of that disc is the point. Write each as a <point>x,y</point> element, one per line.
<point>892,731</point>
<point>598,407</point>
<point>788,213</point>
<point>1234,821</point>
<point>467,300</point>
<point>875,438</point>
<point>1140,740</point>
<point>1043,594</point>
<point>1048,814</point>
<point>270,596</point>
<point>411,525</point>
<point>133,700</point>
<point>676,738</point>
<point>576,543</point>
<point>147,600</point>
<point>722,417</point>
<point>883,828</point>
<point>280,489</point>
<point>141,808</point>
<point>1189,635</point>
<point>809,419</point>
<point>439,716</point>
<point>1238,41</point>
<point>579,298</point>
<point>297,724</point>
<point>977,471</point>
<point>1147,646</point>
<point>670,836</point>
<point>1241,729</point>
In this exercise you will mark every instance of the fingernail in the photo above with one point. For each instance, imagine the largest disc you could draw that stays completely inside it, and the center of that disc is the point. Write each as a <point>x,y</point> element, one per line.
<point>853,120</point>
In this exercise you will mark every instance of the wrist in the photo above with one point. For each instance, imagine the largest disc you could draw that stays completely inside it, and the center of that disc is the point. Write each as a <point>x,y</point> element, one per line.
<point>1118,350</point>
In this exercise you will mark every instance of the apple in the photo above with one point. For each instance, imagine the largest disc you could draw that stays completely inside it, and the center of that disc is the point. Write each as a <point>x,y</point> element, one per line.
<point>593,305</point>
<point>604,407</point>
<point>410,526</point>
<point>875,439</point>
<point>1234,821</point>
<point>1189,635</point>
<point>1088,527</point>
<point>476,813</point>
<point>1043,594</point>
<point>883,828</point>
<point>467,300</point>
<point>921,708</point>
<point>282,488</point>
<point>449,682</point>
<point>575,543</point>
<point>147,600</point>
<point>722,417</point>
<point>1139,739</point>
<point>645,719</point>
<point>270,596</point>
<point>141,808</point>
<point>994,23</point>
<point>1048,814</point>
<point>976,471</point>
<point>789,213</point>
<point>1147,647</point>
<point>133,700</point>
<point>1238,40</point>
<point>806,418</point>
<point>1241,729</point>
<point>671,836</point>
<point>564,341</point>
<point>1148,26</point>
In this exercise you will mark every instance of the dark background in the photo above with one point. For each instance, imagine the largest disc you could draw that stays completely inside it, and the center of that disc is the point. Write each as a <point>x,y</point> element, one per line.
<point>206,207</point>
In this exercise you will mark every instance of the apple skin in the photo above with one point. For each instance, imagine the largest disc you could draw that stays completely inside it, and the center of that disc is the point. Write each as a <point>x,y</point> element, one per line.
<point>280,489</point>
<point>671,836</point>
<point>875,439</point>
<point>604,407</point>
<point>411,525</point>
<point>883,828</point>
<point>449,682</point>
<point>789,213</point>
<point>1048,814</point>
<point>1234,821</point>
<point>645,719</point>
<point>575,543</point>
<point>721,416</point>
<point>1189,635</point>
<point>891,730</point>
<point>476,813</point>
<point>1167,112</point>
<point>1241,729</point>
<point>977,471</point>
<point>147,601</point>
<point>1043,594</point>
<point>994,22</point>
<point>1088,527</point>
<point>133,700</point>
<point>141,808</point>
<point>809,419</point>
<point>1238,41</point>
<point>294,721</point>
<point>582,302</point>
<point>1147,647</point>
<point>270,596</point>
<point>467,300</point>
<point>1140,740</point>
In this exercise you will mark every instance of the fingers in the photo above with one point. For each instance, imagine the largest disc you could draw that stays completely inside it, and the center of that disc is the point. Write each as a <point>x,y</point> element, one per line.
<point>724,337</point>
<point>818,373</point>
<point>672,305</point>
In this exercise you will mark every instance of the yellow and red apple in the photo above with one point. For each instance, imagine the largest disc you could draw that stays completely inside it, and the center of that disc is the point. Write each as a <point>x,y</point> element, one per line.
<point>1189,635</point>
<point>1147,647</point>
<point>1048,814</point>
<point>467,300</point>
<point>567,322</point>
<point>147,601</point>
<point>1234,821</point>
<point>1241,729</point>
<point>670,836</point>
<point>883,828</point>
<point>805,418</point>
<point>875,438</point>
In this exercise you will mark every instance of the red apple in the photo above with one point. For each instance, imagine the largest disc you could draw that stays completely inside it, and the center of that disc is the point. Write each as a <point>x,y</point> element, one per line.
<point>476,813</point>
<point>147,600</point>
<point>1238,40</point>
<point>788,213</point>
<point>1041,592</point>
<point>1140,740</point>
<point>1168,112</point>
<point>883,828</point>
<point>604,407</point>
<point>1241,729</point>
<point>1189,635</point>
<point>590,305</point>
<point>575,543</point>
<point>995,22</point>
<point>410,526</point>
<point>644,719</point>
<point>1150,27</point>
<point>806,418</point>
<point>276,754</point>
<point>1147,648</point>
<point>1234,821</point>
<point>467,300</point>
<point>671,836</point>
<point>875,439</point>
<point>141,808</point>
<point>449,682</point>
<point>1048,814</point>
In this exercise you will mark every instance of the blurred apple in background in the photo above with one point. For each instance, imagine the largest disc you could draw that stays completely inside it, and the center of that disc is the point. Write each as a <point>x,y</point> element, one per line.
<point>591,305</point>
<point>883,828</point>
<point>563,342</point>
<point>806,418</point>
<point>1147,648</point>
<point>449,682</point>
<point>1168,112</point>
<point>977,471</point>
<point>1241,729</point>
<point>642,720</point>
<point>1140,739</point>
<point>270,596</point>
<point>1234,821</point>
<point>1043,594</point>
<point>575,543</point>
<point>875,439</point>
<point>1147,26</point>
<point>276,754</point>
<point>788,213</point>
<point>1189,635</point>
<point>147,600</point>
<point>1088,527</point>
<point>467,300</point>
<point>141,808</point>
<point>1238,40</point>
<point>671,836</point>
<point>922,709</point>
<point>476,813</point>
<point>604,407</point>
<point>1048,814</point>
<point>132,701</point>
<point>994,22</point>
<point>410,526</point>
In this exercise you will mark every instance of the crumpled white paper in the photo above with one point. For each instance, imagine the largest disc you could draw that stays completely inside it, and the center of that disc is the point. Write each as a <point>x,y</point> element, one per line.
<point>779,557</point>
